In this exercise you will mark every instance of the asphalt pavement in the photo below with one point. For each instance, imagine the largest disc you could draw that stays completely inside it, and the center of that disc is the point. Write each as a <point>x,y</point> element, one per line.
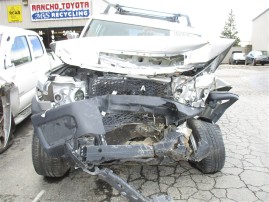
<point>244,178</point>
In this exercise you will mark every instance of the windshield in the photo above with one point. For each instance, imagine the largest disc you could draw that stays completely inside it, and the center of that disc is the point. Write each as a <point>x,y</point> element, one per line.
<point>107,28</point>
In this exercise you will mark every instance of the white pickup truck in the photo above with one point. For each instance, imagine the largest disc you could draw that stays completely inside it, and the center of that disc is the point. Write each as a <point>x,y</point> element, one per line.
<point>23,58</point>
<point>137,87</point>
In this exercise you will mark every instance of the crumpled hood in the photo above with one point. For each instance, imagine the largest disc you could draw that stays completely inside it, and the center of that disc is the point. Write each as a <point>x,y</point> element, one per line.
<point>90,52</point>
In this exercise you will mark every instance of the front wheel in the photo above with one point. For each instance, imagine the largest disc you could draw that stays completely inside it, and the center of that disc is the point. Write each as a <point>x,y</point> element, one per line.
<point>210,133</point>
<point>10,141</point>
<point>46,165</point>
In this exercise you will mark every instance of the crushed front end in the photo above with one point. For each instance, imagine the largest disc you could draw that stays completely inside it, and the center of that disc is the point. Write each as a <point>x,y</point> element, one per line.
<point>99,114</point>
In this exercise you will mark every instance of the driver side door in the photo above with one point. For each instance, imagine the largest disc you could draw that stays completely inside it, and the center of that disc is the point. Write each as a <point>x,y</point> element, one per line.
<point>25,70</point>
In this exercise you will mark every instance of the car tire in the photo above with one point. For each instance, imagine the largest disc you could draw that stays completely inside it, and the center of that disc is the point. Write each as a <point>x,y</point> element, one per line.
<point>46,165</point>
<point>9,143</point>
<point>211,133</point>
<point>11,135</point>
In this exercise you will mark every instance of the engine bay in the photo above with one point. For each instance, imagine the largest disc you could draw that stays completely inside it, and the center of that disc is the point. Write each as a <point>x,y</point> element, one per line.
<point>70,84</point>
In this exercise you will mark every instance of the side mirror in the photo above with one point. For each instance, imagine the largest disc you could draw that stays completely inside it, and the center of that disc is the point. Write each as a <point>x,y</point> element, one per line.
<point>8,64</point>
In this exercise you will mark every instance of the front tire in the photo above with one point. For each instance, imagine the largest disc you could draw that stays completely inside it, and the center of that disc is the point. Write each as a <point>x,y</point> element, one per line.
<point>9,142</point>
<point>46,165</point>
<point>211,133</point>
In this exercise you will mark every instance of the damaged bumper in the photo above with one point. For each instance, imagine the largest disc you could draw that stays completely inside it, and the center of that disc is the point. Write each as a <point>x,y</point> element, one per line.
<point>84,124</point>
<point>85,118</point>
<point>79,131</point>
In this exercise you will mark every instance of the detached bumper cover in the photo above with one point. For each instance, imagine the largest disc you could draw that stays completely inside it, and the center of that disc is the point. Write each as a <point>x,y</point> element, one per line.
<point>74,120</point>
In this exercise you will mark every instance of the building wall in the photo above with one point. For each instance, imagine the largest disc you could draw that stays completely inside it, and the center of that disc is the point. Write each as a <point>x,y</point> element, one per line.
<point>260,32</point>
<point>27,23</point>
<point>49,30</point>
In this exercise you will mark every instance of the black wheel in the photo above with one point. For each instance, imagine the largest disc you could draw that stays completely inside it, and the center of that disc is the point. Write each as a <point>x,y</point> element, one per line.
<point>46,165</point>
<point>211,133</point>
<point>262,64</point>
<point>10,141</point>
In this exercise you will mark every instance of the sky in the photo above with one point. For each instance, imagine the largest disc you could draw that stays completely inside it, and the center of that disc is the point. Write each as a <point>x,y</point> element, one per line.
<point>209,16</point>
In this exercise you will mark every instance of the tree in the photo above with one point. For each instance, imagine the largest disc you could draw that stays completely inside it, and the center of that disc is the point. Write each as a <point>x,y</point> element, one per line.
<point>229,30</point>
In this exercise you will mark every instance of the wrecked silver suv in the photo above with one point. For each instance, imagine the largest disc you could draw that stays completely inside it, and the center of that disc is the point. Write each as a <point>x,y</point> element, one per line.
<point>134,88</point>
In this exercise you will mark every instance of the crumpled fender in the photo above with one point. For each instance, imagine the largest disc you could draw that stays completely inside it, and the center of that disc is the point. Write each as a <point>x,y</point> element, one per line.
<point>6,92</point>
<point>8,87</point>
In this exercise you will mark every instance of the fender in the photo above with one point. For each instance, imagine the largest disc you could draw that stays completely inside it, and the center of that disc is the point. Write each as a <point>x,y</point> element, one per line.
<point>5,92</point>
<point>216,109</point>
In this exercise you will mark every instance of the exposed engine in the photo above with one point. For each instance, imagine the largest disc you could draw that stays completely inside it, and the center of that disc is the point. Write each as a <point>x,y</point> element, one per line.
<point>75,84</point>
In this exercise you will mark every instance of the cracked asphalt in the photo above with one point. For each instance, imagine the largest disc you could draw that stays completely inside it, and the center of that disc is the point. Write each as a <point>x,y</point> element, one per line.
<point>245,176</point>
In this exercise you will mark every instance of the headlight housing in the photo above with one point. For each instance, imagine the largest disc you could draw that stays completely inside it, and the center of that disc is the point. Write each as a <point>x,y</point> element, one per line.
<point>62,90</point>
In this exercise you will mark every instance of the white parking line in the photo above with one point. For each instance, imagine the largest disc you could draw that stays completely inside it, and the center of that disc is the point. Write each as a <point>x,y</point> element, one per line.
<point>38,196</point>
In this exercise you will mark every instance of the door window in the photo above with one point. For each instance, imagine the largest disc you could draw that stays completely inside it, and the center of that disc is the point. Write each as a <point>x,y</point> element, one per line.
<point>36,46</point>
<point>20,52</point>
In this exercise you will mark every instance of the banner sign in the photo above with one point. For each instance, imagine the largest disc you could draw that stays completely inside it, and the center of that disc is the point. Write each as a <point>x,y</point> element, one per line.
<point>60,10</point>
<point>14,13</point>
